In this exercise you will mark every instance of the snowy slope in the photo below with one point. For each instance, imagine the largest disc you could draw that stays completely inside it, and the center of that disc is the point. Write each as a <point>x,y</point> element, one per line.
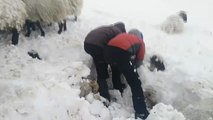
<point>31,89</point>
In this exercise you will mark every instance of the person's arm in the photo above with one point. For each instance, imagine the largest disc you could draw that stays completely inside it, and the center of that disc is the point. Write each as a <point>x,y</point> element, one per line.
<point>140,55</point>
<point>138,63</point>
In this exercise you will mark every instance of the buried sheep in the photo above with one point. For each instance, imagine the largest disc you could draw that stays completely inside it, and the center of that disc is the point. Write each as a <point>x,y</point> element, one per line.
<point>73,7</point>
<point>92,86</point>
<point>174,23</point>
<point>88,87</point>
<point>12,17</point>
<point>156,62</point>
<point>34,54</point>
<point>150,97</point>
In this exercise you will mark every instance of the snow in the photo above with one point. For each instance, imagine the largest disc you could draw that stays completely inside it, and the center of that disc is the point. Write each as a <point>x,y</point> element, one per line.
<point>165,112</point>
<point>48,89</point>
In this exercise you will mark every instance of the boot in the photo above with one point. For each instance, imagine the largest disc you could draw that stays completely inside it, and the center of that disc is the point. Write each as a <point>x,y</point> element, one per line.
<point>103,89</point>
<point>141,116</point>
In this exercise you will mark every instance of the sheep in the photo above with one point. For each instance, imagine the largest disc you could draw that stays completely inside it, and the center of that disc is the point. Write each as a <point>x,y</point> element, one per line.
<point>31,25</point>
<point>73,7</point>
<point>46,11</point>
<point>151,96</point>
<point>88,87</point>
<point>12,17</point>
<point>174,23</point>
<point>156,62</point>
<point>50,11</point>
<point>34,54</point>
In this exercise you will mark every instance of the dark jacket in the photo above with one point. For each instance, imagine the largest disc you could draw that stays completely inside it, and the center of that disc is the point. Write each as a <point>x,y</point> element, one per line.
<point>101,35</point>
<point>131,43</point>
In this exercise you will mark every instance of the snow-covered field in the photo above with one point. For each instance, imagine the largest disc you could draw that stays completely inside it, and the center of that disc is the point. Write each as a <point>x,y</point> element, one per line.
<point>48,89</point>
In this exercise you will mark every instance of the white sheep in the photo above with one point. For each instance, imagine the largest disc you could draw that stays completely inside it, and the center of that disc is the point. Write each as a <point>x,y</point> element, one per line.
<point>51,11</point>
<point>74,7</point>
<point>12,17</point>
<point>174,23</point>
<point>46,11</point>
<point>150,95</point>
<point>87,87</point>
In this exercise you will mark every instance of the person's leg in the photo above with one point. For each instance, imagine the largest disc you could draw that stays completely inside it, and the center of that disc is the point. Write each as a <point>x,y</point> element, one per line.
<point>101,68</point>
<point>122,59</point>
<point>102,75</point>
<point>134,82</point>
<point>116,78</point>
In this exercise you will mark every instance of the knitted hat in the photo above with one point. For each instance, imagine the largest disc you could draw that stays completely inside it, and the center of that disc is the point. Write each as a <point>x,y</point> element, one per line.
<point>136,32</point>
<point>121,26</point>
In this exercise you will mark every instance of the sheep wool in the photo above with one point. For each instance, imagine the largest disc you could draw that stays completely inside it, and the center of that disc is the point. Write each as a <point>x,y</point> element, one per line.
<point>87,87</point>
<point>173,24</point>
<point>47,11</point>
<point>32,10</point>
<point>52,10</point>
<point>74,7</point>
<point>12,14</point>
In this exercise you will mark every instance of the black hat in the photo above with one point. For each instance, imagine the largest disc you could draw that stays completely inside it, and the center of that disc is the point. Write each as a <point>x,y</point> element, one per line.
<point>136,32</point>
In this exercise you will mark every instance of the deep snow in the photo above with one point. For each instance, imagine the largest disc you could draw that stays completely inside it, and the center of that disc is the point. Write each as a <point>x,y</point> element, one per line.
<point>31,89</point>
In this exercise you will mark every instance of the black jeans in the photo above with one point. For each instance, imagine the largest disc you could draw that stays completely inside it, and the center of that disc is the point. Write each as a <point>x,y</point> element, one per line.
<point>121,59</point>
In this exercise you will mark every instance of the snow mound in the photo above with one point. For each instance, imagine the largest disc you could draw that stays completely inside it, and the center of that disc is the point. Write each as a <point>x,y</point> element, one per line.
<point>165,112</point>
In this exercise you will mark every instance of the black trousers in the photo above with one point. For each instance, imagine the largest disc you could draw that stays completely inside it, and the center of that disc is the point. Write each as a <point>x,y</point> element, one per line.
<point>97,54</point>
<point>121,60</point>
<point>116,78</point>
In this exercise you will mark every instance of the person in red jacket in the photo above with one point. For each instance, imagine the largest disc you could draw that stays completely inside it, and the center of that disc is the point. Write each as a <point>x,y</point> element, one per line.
<point>94,44</point>
<point>126,53</point>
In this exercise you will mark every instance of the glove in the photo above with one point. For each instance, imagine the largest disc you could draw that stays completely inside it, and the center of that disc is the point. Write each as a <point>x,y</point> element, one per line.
<point>138,63</point>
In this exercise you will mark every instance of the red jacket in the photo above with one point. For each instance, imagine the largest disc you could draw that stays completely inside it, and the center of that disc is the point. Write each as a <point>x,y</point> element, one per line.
<point>130,43</point>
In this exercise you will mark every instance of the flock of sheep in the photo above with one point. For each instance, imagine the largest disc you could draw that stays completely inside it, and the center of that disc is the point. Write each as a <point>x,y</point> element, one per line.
<point>14,14</point>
